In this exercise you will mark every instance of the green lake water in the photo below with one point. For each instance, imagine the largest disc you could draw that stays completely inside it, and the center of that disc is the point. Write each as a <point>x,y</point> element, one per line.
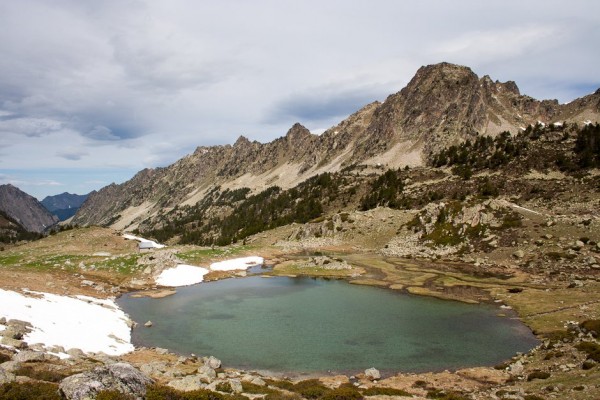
<point>305,325</point>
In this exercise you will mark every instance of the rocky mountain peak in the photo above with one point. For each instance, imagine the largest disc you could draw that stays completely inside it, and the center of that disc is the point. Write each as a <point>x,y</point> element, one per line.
<point>297,132</point>
<point>241,141</point>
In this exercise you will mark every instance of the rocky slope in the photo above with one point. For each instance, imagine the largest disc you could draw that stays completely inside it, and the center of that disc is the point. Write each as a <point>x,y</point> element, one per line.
<point>443,104</point>
<point>64,205</point>
<point>25,209</point>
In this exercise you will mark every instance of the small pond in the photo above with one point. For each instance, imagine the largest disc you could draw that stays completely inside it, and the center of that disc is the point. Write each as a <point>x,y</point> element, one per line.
<point>306,325</point>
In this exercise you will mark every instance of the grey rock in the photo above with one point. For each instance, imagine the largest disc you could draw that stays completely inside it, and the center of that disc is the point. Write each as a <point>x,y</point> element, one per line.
<point>3,321</point>
<point>12,333</point>
<point>519,254</point>
<point>578,245</point>
<point>212,362</point>
<point>10,366</point>
<point>148,324</point>
<point>30,356</point>
<point>17,344</point>
<point>516,368</point>
<point>6,377</point>
<point>207,374</point>
<point>161,351</point>
<point>154,368</point>
<point>236,386</point>
<point>258,382</point>
<point>187,383</point>
<point>372,373</point>
<point>120,377</point>
<point>591,260</point>
<point>76,353</point>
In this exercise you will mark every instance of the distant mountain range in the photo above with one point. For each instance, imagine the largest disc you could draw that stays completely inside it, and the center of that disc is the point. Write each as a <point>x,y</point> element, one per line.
<point>443,105</point>
<point>64,205</point>
<point>24,210</point>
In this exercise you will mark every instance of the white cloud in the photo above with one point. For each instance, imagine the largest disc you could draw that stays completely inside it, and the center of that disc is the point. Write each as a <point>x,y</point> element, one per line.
<point>135,83</point>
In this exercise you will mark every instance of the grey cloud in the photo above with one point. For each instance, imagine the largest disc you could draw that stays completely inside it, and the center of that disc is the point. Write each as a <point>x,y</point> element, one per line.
<point>72,154</point>
<point>326,103</point>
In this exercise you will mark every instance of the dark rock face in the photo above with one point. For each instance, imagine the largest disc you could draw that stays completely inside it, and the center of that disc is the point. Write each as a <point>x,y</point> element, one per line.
<point>25,209</point>
<point>443,104</point>
<point>121,377</point>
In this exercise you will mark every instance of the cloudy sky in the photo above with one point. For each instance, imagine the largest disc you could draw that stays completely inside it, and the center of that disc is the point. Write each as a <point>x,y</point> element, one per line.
<point>93,91</point>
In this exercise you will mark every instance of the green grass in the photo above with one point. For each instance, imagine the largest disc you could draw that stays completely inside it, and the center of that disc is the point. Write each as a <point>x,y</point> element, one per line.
<point>126,265</point>
<point>207,254</point>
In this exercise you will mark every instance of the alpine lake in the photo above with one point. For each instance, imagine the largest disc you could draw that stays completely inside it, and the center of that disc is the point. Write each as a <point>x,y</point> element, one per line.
<point>303,325</point>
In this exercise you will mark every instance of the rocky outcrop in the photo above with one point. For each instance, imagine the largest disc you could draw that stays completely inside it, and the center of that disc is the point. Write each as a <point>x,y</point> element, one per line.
<point>120,377</point>
<point>25,209</point>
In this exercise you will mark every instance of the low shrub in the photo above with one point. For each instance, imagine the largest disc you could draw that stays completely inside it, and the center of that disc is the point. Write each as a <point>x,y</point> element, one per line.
<point>588,364</point>
<point>592,325</point>
<point>159,392</point>
<point>591,349</point>
<point>29,390</point>
<point>421,384</point>
<point>384,391</point>
<point>256,389</point>
<point>532,397</point>
<point>4,358</point>
<point>343,393</point>
<point>538,375</point>
<point>310,388</point>
<point>443,395</point>
<point>113,395</point>
<point>282,396</point>
<point>41,374</point>
<point>224,387</point>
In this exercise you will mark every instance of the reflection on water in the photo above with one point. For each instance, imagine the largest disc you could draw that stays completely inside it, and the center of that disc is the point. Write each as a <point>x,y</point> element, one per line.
<point>309,325</point>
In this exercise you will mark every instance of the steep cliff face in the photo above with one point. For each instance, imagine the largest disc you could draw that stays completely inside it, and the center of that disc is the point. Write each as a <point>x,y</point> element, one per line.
<point>443,104</point>
<point>25,209</point>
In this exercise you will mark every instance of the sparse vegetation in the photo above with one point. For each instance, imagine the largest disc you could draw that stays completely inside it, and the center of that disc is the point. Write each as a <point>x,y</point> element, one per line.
<point>41,374</point>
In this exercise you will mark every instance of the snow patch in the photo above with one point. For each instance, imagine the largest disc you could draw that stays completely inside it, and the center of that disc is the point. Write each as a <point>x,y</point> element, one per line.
<point>85,323</point>
<point>142,240</point>
<point>181,275</point>
<point>237,263</point>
